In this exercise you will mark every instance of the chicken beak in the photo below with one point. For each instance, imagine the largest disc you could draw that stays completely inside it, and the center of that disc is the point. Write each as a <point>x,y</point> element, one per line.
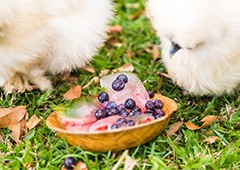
<point>173,49</point>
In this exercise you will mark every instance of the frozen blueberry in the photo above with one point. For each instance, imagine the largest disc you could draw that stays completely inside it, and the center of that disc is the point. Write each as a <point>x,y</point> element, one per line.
<point>130,122</point>
<point>137,109</point>
<point>69,163</point>
<point>151,112</point>
<point>111,104</point>
<point>122,77</point>
<point>103,97</point>
<point>120,107</point>
<point>130,103</point>
<point>158,113</point>
<point>158,104</point>
<point>121,120</point>
<point>150,105</point>
<point>112,111</point>
<point>151,94</point>
<point>136,113</point>
<point>118,85</point>
<point>99,114</point>
<point>124,113</point>
<point>114,126</point>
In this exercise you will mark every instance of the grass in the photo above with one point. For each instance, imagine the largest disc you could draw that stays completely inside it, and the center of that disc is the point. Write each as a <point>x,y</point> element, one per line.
<point>43,149</point>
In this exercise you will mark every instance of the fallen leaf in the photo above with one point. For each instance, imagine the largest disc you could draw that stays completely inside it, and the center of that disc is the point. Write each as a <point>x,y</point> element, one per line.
<point>81,166</point>
<point>11,116</point>
<point>126,67</point>
<point>129,54</point>
<point>211,139</point>
<point>89,69</point>
<point>33,121</point>
<point>132,16</point>
<point>174,128</point>
<point>104,72</point>
<point>120,160</point>
<point>164,75</point>
<point>129,163</point>
<point>115,29</point>
<point>207,120</point>
<point>94,79</point>
<point>1,137</point>
<point>18,129</point>
<point>72,93</point>
<point>114,42</point>
<point>155,52</point>
<point>191,126</point>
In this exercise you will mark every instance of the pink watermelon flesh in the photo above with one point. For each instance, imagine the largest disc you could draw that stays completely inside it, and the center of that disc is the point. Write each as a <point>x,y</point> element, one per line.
<point>104,124</point>
<point>133,89</point>
<point>80,124</point>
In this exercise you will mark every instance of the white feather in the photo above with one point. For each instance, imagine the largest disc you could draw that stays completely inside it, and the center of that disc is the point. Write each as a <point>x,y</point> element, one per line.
<point>209,33</point>
<point>50,35</point>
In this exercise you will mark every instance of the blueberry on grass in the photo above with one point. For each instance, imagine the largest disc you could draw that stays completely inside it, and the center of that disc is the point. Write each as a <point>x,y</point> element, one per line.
<point>111,104</point>
<point>130,122</point>
<point>99,114</point>
<point>124,112</point>
<point>158,104</point>
<point>122,77</point>
<point>112,111</point>
<point>103,97</point>
<point>151,94</point>
<point>150,105</point>
<point>118,85</point>
<point>121,120</point>
<point>130,103</point>
<point>69,163</point>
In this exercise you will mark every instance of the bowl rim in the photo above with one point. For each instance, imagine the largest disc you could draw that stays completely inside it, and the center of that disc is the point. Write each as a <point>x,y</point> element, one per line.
<point>60,130</point>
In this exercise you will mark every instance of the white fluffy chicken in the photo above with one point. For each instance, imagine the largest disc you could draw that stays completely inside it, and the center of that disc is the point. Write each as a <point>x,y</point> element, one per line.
<point>40,36</point>
<point>200,41</point>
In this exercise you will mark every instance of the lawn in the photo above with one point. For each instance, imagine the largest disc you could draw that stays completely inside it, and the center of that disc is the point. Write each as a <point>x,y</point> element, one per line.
<point>41,148</point>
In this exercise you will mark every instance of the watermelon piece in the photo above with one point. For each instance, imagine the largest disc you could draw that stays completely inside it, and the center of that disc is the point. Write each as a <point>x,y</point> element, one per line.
<point>145,118</point>
<point>104,124</point>
<point>133,89</point>
<point>78,114</point>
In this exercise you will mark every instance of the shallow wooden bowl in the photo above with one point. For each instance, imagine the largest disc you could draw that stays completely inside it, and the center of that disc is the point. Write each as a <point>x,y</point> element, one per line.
<point>117,139</point>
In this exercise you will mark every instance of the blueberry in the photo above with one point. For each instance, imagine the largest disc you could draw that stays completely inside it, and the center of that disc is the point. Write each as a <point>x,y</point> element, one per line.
<point>151,94</point>
<point>120,107</point>
<point>158,104</point>
<point>130,122</point>
<point>114,126</point>
<point>151,112</point>
<point>69,163</point>
<point>137,109</point>
<point>136,113</point>
<point>121,120</point>
<point>112,111</point>
<point>150,105</point>
<point>124,113</point>
<point>130,103</point>
<point>111,104</point>
<point>122,77</point>
<point>158,113</point>
<point>118,85</point>
<point>99,114</point>
<point>103,97</point>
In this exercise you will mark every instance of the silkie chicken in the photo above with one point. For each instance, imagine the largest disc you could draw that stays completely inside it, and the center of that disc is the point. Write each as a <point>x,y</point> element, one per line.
<point>200,42</point>
<point>48,36</point>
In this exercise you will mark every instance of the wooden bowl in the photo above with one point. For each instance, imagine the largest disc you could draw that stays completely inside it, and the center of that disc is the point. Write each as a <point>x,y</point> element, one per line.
<point>117,139</point>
